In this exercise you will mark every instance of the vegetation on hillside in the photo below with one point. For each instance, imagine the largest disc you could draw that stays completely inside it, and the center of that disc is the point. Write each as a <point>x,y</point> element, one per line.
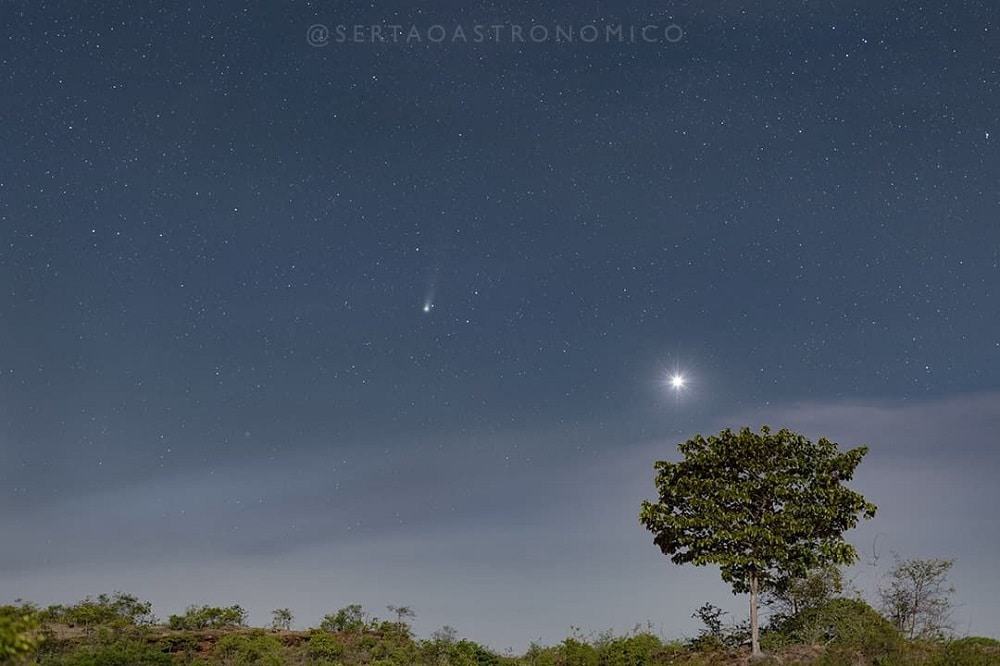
<point>118,630</point>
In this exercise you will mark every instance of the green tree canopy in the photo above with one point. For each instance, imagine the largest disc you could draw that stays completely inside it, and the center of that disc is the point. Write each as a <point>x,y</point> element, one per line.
<point>765,507</point>
<point>19,632</point>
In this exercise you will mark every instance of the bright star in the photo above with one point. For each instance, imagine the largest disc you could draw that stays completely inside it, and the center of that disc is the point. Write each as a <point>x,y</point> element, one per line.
<point>677,382</point>
<point>428,306</point>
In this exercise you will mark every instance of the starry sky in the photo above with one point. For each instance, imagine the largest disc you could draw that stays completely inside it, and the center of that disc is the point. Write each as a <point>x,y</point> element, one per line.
<point>289,321</point>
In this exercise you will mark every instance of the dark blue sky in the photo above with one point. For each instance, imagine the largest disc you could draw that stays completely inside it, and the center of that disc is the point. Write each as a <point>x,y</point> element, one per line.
<point>217,242</point>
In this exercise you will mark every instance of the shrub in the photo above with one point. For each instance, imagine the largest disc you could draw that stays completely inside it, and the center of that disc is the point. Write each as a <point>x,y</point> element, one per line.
<point>323,648</point>
<point>19,632</point>
<point>717,634</point>
<point>576,652</point>
<point>446,649</point>
<point>971,651</point>
<point>393,648</point>
<point>635,650</point>
<point>796,594</point>
<point>842,623</point>
<point>179,644</point>
<point>209,617</point>
<point>119,609</point>
<point>481,656</point>
<point>122,652</point>
<point>978,642</point>
<point>349,618</point>
<point>257,648</point>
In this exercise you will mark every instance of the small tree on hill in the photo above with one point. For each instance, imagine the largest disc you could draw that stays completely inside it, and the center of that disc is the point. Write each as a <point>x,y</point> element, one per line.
<point>117,611</point>
<point>790,597</point>
<point>209,617</point>
<point>765,507</point>
<point>281,619</point>
<point>917,597</point>
<point>348,619</point>
<point>715,631</point>
<point>402,613</point>
<point>447,635</point>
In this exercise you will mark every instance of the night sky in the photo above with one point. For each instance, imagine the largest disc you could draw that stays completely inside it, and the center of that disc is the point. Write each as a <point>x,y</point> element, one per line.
<point>300,325</point>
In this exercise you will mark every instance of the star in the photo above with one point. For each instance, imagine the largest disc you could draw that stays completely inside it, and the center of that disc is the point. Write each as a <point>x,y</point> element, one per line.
<point>677,382</point>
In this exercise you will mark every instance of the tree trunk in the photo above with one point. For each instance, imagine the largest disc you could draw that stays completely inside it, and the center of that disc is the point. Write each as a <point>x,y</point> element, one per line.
<point>754,624</point>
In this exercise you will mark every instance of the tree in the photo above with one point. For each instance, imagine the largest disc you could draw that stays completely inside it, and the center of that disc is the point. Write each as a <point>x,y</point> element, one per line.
<point>715,632</point>
<point>401,612</point>
<point>281,619</point>
<point>917,598</point>
<point>349,618</point>
<point>764,507</point>
<point>209,617</point>
<point>118,609</point>
<point>447,635</point>
<point>794,595</point>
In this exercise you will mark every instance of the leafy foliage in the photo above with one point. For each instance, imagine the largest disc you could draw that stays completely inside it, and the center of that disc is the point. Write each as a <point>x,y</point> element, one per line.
<point>119,609</point>
<point>770,505</point>
<point>256,648</point>
<point>798,594</point>
<point>323,648</point>
<point>116,652</point>
<point>715,632</point>
<point>847,633</point>
<point>209,617</point>
<point>19,631</point>
<point>848,623</point>
<point>765,507</point>
<point>636,649</point>
<point>971,651</point>
<point>281,619</point>
<point>349,618</point>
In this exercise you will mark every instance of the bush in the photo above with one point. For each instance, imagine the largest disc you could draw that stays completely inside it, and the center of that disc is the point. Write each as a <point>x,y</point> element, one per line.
<point>349,618</point>
<point>19,632</point>
<point>635,650</point>
<point>115,653</point>
<point>978,642</point>
<point>258,648</point>
<point>480,655</point>
<point>186,644</point>
<point>390,645</point>
<point>449,651</point>
<point>841,623</point>
<point>577,652</point>
<point>209,617</point>
<point>323,648</point>
<point>717,634</point>
<point>123,610</point>
<point>971,651</point>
